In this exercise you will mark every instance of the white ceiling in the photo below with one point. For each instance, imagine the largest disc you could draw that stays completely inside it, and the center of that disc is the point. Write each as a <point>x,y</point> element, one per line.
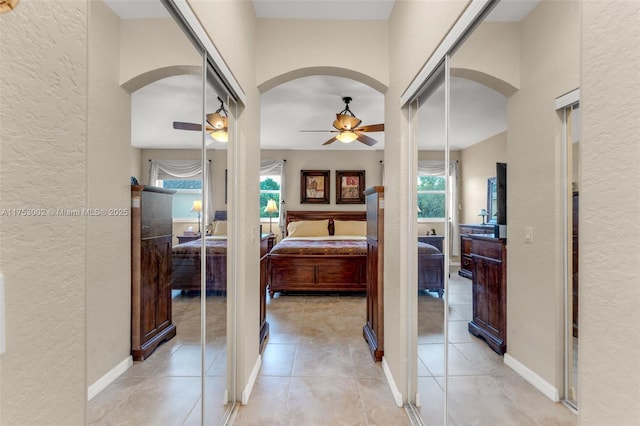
<point>310,103</point>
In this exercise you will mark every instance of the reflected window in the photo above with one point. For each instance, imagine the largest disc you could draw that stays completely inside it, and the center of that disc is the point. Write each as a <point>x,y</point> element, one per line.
<point>431,197</point>
<point>269,190</point>
<point>187,191</point>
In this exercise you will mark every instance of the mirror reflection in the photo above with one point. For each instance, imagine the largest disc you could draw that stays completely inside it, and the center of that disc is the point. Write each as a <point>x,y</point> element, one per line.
<point>484,356</point>
<point>176,321</point>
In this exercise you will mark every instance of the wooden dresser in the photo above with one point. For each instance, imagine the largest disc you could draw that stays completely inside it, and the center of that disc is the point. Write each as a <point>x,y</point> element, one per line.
<point>151,234</point>
<point>489,288</point>
<point>266,243</point>
<point>373,329</point>
<point>465,246</point>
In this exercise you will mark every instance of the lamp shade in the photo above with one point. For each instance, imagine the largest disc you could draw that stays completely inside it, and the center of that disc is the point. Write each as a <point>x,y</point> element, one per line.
<point>220,135</point>
<point>272,207</point>
<point>197,206</point>
<point>347,136</point>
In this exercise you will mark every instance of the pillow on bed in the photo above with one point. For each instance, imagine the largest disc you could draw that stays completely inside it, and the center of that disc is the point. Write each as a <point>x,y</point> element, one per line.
<point>220,227</point>
<point>350,227</point>
<point>308,228</point>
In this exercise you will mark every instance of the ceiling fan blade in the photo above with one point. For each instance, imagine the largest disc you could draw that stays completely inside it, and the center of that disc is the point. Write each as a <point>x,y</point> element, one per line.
<point>179,125</point>
<point>330,141</point>
<point>346,122</point>
<point>323,131</point>
<point>366,140</point>
<point>371,128</point>
<point>186,126</point>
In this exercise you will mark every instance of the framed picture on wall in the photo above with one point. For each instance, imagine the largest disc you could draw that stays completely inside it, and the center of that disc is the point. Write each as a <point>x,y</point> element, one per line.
<point>314,186</point>
<point>350,186</point>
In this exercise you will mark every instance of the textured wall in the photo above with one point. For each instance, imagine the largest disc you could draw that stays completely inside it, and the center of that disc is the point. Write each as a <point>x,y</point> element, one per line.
<point>108,185</point>
<point>287,45</point>
<point>609,386</point>
<point>43,165</point>
<point>550,67</point>
<point>479,164</point>
<point>491,56</point>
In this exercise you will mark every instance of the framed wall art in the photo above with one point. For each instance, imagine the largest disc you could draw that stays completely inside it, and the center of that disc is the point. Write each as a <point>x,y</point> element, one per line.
<point>314,186</point>
<point>350,186</point>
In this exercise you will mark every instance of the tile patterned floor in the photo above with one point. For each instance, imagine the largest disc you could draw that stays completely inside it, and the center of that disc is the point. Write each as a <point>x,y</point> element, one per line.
<point>317,370</point>
<point>482,390</point>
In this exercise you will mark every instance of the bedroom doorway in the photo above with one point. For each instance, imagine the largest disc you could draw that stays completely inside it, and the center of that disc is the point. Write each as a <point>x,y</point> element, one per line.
<point>316,334</point>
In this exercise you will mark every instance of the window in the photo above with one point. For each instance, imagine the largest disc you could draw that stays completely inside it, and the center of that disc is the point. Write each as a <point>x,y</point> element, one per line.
<point>431,197</point>
<point>187,191</point>
<point>269,189</point>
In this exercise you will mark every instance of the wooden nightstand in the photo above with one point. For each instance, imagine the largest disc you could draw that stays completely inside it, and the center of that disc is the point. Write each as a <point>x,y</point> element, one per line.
<point>186,238</point>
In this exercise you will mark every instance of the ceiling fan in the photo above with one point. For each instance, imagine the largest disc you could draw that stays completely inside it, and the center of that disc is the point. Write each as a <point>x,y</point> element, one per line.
<point>346,125</point>
<point>217,124</point>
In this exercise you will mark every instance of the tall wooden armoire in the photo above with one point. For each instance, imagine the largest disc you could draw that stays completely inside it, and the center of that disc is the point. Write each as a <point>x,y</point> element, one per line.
<point>151,233</point>
<point>373,329</point>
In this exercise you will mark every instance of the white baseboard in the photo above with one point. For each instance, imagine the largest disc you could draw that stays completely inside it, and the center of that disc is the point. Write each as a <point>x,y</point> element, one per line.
<point>397,395</point>
<point>246,393</point>
<point>109,378</point>
<point>530,376</point>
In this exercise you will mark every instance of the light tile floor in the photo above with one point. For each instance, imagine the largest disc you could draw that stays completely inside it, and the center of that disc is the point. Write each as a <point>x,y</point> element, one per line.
<point>165,389</point>
<point>317,370</point>
<point>482,390</point>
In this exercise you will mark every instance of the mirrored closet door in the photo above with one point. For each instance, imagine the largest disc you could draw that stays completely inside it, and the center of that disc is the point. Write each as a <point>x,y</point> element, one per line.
<point>160,89</point>
<point>494,373</point>
<point>428,129</point>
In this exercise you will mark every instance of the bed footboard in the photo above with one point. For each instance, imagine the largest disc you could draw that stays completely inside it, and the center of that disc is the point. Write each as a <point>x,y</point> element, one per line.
<point>316,273</point>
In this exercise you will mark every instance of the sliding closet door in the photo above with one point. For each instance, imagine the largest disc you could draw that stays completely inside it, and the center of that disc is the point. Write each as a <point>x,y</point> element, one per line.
<point>217,295</point>
<point>134,103</point>
<point>428,129</point>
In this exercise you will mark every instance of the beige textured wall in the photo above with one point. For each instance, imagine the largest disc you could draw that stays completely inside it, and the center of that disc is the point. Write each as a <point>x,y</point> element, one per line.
<point>415,29</point>
<point>154,44</point>
<point>109,151</point>
<point>550,67</point>
<point>609,387</point>
<point>491,56</point>
<point>479,164</point>
<point>285,46</point>
<point>43,165</point>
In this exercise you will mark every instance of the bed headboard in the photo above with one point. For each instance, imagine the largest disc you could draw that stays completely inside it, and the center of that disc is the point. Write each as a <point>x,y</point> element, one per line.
<point>295,215</point>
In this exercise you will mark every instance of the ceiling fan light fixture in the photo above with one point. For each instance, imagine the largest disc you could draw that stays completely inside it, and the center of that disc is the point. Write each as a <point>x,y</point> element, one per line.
<point>347,136</point>
<point>220,135</point>
<point>7,5</point>
<point>216,120</point>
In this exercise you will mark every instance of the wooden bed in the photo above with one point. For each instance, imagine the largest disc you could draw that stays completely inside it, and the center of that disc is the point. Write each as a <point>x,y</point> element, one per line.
<point>185,274</point>
<point>325,272</point>
<point>430,269</point>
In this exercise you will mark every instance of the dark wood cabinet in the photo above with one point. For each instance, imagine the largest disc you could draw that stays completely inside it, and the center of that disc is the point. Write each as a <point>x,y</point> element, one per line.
<point>373,329</point>
<point>489,289</point>
<point>266,243</point>
<point>466,267</point>
<point>151,234</point>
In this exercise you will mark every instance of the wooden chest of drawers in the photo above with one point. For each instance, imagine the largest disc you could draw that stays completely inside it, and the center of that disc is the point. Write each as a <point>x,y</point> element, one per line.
<point>466,266</point>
